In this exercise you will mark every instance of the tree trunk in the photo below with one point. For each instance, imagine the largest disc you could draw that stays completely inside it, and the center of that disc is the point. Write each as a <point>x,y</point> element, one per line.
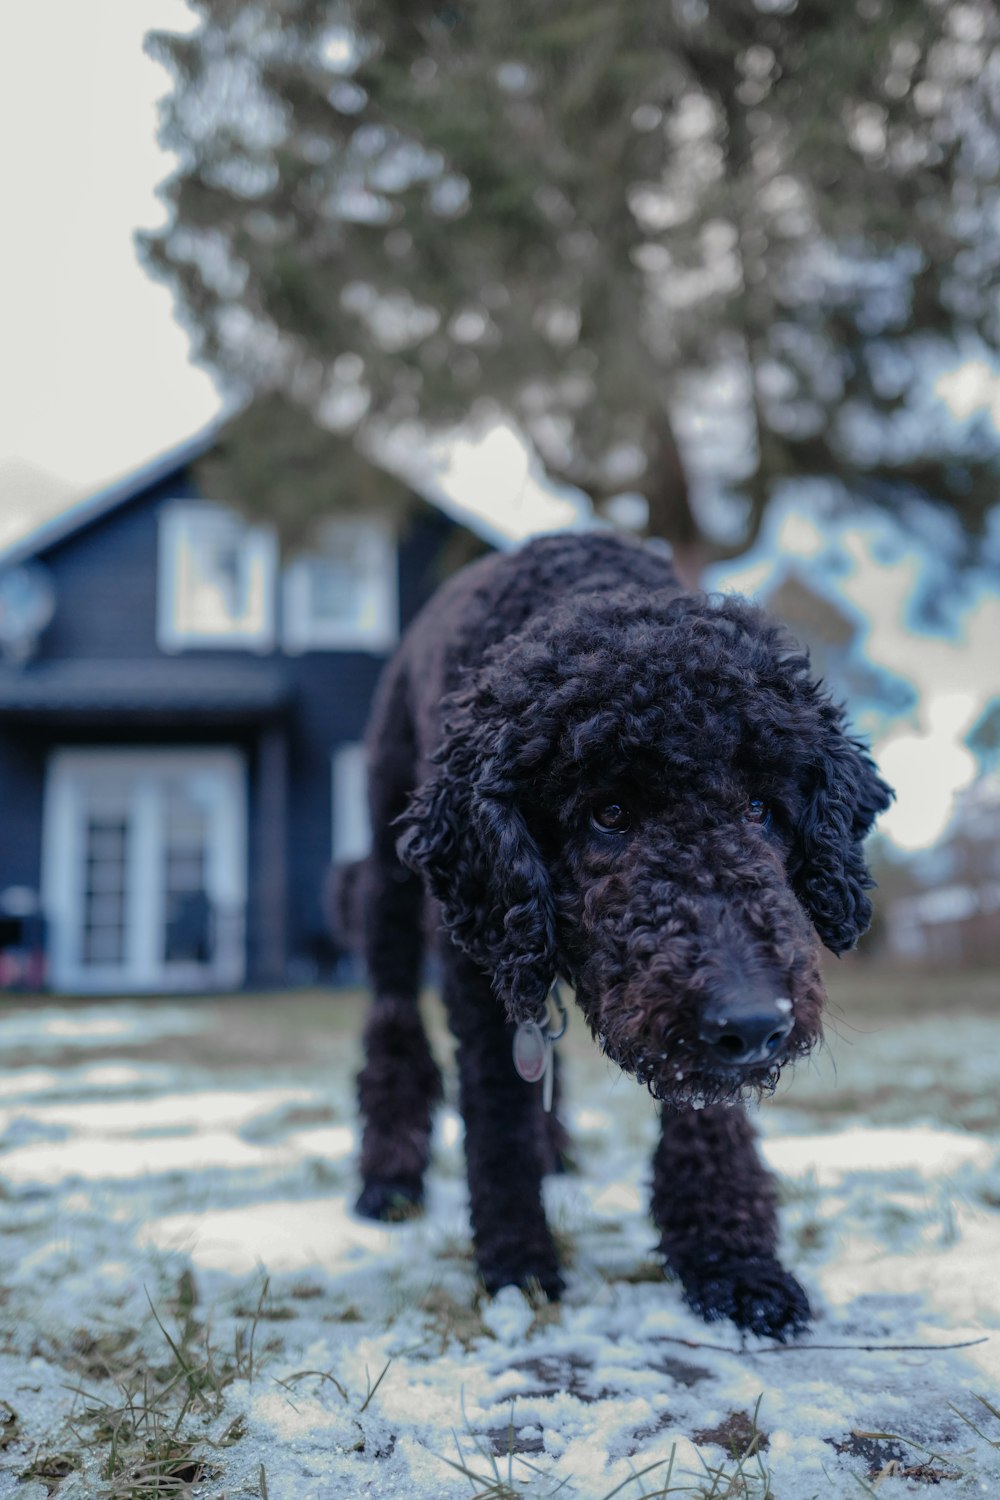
<point>668,496</point>
<point>690,562</point>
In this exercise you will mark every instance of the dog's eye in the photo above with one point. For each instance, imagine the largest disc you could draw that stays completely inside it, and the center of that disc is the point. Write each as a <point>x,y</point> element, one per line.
<point>757,812</point>
<point>610,816</point>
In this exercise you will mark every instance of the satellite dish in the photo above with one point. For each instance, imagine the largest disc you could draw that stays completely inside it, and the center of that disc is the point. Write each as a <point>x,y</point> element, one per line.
<point>27,604</point>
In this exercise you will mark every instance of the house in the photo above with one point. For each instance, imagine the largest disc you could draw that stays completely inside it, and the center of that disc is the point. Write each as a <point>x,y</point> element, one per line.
<point>948,916</point>
<point>833,631</point>
<point>181,710</point>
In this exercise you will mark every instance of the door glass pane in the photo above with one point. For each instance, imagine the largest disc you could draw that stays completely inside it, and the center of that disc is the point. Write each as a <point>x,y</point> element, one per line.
<point>105,881</point>
<point>189,927</point>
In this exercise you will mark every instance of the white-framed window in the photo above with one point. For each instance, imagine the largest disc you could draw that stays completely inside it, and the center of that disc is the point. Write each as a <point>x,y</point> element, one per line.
<point>352,834</point>
<point>345,595</point>
<point>216,579</point>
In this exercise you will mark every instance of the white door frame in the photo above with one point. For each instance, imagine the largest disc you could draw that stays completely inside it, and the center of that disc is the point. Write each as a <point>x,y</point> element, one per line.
<point>139,776</point>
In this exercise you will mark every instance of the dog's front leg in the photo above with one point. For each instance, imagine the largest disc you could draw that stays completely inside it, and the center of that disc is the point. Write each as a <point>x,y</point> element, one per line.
<point>503,1139</point>
<point>716,1208</point>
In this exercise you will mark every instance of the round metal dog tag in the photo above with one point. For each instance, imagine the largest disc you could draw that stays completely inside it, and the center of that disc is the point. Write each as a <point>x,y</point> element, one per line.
<point>531,1051</point>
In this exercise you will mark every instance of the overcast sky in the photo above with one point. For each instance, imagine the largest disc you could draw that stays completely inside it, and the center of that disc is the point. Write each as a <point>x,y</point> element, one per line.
<point>94,371</point>
<point>95,377</point>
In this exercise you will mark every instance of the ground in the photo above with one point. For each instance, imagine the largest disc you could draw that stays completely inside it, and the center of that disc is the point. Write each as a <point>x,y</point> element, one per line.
<point>187,1305</point>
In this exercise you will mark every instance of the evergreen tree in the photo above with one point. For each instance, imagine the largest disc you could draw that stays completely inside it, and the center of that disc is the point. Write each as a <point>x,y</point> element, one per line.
<point>695,248</point>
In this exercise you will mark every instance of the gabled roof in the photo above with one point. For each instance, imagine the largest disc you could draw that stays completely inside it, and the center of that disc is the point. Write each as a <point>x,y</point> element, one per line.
<point>503,526</point>
<point>95,507</point>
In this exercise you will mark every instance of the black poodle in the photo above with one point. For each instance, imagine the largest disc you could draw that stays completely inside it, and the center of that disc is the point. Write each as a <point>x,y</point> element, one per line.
<point>602,778</point>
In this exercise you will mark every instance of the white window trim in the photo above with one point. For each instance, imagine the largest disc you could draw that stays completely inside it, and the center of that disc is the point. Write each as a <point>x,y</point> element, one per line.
<point>176,518</point>
<point>301,632</point>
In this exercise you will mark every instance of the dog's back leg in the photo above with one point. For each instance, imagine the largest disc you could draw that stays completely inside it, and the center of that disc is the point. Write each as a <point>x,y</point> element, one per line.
<point>399,1084</point>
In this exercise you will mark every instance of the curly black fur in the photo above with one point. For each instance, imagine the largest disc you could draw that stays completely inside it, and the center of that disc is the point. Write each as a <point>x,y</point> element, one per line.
<point>535,690</point>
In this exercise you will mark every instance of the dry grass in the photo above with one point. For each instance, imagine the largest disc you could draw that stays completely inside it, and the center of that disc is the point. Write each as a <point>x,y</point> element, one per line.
<point>314,1027</point>
<point>140,1444</point>
<point>865,992</point>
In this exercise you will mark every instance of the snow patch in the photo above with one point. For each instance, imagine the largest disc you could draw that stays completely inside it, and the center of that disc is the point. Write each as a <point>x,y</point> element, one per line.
<point>509,1315</point>
<point>925,1150</point>
<point>281,1235</point>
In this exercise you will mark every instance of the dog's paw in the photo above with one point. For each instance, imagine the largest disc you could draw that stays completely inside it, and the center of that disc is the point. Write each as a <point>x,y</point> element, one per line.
<point>530,1278</point>
<point>758,1294</point>
<point>390,1202</point>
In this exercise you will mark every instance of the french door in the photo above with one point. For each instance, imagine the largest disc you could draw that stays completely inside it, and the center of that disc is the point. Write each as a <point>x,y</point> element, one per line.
<point>144,870</point>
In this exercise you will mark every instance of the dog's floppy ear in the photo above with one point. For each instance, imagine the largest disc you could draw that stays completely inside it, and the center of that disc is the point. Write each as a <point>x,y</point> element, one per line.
<point>827,866</point>
<point>465,832</point>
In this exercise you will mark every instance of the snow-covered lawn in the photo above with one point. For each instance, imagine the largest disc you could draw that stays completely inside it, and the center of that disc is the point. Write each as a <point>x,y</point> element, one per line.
<point>187,1300</point>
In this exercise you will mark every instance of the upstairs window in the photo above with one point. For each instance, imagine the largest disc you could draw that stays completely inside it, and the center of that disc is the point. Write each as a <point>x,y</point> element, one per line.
<point>344,596</point>
<point>216,580</point>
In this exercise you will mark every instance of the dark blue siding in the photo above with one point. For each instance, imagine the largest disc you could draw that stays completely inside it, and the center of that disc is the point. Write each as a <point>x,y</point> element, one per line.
<point>22,780</point>
<point>105,580</point>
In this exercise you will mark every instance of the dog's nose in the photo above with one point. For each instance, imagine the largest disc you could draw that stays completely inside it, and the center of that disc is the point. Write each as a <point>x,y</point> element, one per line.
<point>740,1034</point>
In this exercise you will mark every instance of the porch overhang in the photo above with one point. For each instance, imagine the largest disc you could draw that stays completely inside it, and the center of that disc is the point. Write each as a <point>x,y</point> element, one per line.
<point>146,690</point>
